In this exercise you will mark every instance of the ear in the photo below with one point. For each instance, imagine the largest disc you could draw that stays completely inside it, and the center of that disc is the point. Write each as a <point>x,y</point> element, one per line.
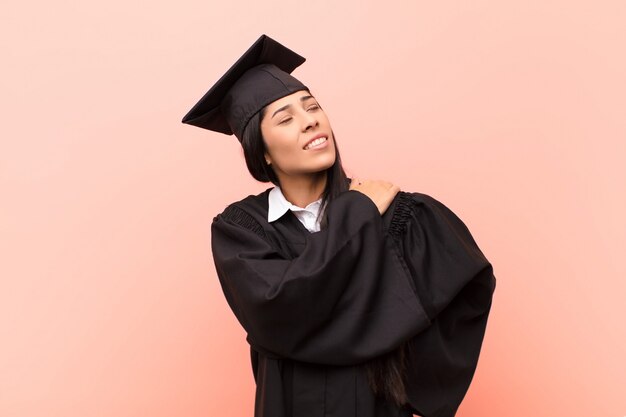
<point>268,160</point>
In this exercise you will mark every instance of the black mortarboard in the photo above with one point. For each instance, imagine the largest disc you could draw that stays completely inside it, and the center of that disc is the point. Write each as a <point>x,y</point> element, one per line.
<point>259,77</point>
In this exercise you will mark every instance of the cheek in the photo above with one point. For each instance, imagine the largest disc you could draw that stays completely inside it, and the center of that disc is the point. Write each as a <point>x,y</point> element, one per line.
<point>324,119</point>
<point>273,140</point>
<point>283,146</point>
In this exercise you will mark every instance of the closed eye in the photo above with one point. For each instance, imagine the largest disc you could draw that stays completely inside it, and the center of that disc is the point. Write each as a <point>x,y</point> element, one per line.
<point>285,120</point>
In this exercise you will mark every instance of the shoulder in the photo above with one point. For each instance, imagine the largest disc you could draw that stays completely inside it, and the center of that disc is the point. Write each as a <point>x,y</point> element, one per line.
<point>249,212</point>
<point>251,204</point>
<point>416,208</point>
<point>415,201</point>
<point>417,198</point>
<point>406,203</point>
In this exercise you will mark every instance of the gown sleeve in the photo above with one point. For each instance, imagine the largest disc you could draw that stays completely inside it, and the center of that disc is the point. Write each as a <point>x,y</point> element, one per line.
<point>344,300</point>
<point>455,284</point>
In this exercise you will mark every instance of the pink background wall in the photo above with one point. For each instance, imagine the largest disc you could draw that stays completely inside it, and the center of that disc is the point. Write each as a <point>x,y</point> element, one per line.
<point>511,113</point>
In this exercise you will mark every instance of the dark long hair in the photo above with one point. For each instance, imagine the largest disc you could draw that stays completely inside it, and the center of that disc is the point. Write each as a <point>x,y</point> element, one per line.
<point>386,373</point>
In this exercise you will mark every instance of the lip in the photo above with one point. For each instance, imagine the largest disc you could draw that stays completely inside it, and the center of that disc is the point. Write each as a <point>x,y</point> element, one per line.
<point>321,135</point>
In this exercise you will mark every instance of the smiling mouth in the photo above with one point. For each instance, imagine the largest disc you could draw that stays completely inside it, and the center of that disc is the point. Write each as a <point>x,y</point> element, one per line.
<point>315,143</point>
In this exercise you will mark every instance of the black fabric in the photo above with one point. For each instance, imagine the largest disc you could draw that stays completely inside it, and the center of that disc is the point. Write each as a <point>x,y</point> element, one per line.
<point>317,306</point>
<point>260,76</point>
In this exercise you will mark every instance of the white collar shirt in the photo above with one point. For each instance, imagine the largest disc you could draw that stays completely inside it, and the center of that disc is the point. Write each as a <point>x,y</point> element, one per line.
<point>278,206</point>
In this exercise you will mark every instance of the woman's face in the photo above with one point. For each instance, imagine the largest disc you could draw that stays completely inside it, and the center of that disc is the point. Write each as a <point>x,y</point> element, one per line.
<point>297,135</point>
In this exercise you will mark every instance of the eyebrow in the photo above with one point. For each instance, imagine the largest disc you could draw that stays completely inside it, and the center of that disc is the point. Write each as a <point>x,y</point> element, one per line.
<point>302,99</point>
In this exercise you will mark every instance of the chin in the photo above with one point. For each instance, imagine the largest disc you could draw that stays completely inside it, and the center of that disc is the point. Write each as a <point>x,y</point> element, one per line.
<point>328,164</point>
<point>320,168</point>
<point>321,164</point>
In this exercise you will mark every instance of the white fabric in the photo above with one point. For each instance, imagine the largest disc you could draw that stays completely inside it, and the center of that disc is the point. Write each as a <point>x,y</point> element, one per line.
<point>278,206</point>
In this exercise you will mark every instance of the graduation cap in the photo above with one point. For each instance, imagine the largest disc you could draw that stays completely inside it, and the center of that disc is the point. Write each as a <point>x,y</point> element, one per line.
<point>259,77</point>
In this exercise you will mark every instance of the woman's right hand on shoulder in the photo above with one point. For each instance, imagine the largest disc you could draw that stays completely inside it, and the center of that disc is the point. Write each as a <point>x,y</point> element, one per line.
<point>380,192</point>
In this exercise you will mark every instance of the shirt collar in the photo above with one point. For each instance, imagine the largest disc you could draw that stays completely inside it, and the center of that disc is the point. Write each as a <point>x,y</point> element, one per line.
<point>278,205</point>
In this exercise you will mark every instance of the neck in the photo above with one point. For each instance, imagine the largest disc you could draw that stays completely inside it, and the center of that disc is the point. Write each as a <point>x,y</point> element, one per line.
<point>302,190</point>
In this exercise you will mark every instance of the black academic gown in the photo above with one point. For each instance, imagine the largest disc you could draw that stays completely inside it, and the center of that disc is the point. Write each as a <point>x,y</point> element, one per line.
<point>317,306</point>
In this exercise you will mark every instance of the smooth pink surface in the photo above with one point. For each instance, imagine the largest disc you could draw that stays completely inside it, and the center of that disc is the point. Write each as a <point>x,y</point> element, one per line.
<point>511,113</point>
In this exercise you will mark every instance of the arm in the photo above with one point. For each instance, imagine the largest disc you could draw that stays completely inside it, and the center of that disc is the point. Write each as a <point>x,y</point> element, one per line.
<point>455,283</point>
<point>344,300</point>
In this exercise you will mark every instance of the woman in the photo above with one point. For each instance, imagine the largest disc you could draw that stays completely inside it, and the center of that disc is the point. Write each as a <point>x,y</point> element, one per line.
<point>358,299</point>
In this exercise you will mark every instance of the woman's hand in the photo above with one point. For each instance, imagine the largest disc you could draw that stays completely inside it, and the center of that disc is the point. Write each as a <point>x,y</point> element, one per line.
<point>380,192</point>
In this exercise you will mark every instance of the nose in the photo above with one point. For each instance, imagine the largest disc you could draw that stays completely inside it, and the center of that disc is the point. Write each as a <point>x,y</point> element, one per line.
<point>309,121</point>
